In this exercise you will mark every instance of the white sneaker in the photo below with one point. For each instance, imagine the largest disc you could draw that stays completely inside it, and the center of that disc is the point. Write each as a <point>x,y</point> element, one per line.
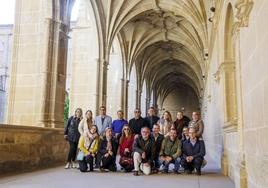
<point>74,165</point>
<point>67,166</point>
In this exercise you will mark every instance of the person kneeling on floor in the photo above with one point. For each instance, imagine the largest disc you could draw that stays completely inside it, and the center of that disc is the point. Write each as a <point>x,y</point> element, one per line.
<point>143,152</point>
<point>170,152</point>
<point>193,153</point>
<point>88,146</point>
<point>107,151</point>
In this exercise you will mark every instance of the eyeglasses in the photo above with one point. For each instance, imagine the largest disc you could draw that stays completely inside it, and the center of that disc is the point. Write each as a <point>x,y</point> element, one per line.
<point>126,129</point>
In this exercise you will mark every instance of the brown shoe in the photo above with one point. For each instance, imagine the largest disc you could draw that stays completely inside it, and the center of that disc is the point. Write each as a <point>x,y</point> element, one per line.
<point>136,173</point>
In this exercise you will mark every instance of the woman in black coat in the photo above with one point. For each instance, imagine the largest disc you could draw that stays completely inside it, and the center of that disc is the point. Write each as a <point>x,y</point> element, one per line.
<point>72,134</point>
<point>107,151</point>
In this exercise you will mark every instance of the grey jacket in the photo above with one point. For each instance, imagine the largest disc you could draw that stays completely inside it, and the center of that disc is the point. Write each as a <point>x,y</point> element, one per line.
<point>106,123</point>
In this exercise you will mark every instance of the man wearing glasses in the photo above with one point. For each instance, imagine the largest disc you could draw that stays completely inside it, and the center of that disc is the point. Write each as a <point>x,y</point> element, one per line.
<point>143,152</point>
<point>138,122</point>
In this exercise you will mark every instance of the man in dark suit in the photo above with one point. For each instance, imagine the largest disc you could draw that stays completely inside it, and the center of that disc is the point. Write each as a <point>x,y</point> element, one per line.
<point>138,122</point>
<point>151,118</point>
<point>193,153</point>
<point>157,138</point>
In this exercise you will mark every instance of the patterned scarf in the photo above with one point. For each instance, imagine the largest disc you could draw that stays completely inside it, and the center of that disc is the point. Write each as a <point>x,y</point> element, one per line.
<point>109,144</point>
<point>89,138</point>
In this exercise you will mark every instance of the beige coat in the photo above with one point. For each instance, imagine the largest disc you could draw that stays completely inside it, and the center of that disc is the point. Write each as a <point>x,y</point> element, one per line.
<point>84,127</point>
<point>165,126</point>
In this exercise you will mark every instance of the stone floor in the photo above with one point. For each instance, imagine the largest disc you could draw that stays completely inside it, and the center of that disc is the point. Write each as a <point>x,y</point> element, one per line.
<point>59,177</point>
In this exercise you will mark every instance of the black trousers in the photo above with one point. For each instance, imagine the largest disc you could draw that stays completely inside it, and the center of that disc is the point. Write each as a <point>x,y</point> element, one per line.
<point>156,162</point>
<point>195,164</point>
<point>72,151</point>
<point>107,162</point>
<point>83,165</point>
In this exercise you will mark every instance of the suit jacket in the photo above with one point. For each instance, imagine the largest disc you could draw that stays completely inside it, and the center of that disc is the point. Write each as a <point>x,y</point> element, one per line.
<point>198,150</point>
<point>151,121</point>
<point>137,124</point>
<point>102,126</point>
<point>157,143</point>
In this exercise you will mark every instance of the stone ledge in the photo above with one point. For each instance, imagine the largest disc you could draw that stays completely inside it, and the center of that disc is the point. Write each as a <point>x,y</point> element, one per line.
<point>4,127</point>
<point>26,148</point>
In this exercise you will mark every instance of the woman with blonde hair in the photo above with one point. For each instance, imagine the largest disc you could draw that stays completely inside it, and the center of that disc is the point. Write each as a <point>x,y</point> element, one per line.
<point>86,123</point>
<point>165,123</point>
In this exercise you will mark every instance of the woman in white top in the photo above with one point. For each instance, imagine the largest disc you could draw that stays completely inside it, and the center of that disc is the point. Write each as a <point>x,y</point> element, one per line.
<point>86,123</point>
<point>165,123</point>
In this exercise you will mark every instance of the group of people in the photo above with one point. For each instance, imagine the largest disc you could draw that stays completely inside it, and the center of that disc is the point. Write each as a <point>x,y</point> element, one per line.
<point>144,145</point>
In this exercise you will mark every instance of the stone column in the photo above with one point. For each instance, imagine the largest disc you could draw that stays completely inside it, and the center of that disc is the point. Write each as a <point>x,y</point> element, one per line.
<point>138,98</point>
<point>147,104</point>
<point>84,92</point>
<point>102,82</point>
<point>37,85</point>
<point>124,96</point>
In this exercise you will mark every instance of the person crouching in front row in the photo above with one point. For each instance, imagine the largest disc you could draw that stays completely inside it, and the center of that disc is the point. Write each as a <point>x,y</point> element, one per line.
<point>143,152</point>
<point>126,148</point>
<point>107,151</point>
<point>193,151</point>
<point>88,145</point>
<point>171,151</point>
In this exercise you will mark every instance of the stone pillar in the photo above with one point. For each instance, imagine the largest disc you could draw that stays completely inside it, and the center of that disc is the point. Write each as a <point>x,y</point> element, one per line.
<point>102,82</point>
<point>37,85</point>
<point>84,86</point>
<point>147,104</point>
<point>124,96</point>
<point>138,98</point>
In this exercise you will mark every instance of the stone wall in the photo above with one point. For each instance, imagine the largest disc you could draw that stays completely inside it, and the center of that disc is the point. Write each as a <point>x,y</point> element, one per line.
<point>238,140</point>
<point>24,148</point>
<point>254,66</point>
<point>180,98</point>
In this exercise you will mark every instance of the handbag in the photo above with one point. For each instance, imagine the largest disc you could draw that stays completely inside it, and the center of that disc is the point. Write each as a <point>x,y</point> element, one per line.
<point>126,161</point>
<point>80,156</point>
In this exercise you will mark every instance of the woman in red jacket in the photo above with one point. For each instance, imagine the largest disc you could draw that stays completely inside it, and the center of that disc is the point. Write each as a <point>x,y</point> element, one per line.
<point>125,149</point>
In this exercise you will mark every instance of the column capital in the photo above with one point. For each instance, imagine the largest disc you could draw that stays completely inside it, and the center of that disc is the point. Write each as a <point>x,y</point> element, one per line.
<point>224,67</point>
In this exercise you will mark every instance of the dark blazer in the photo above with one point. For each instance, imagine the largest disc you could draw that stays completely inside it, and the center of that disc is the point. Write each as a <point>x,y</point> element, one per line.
<point>180,124</point>
<point>157,143</point>
<point>198,150</point>
<point>140,146</point>
<point>71,129</point>
<point>137,124</point>
<point>103,145</point>
<point>151,121</point>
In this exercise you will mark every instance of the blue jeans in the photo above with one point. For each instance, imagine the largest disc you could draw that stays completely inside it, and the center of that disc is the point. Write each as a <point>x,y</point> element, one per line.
<point>176,163</point>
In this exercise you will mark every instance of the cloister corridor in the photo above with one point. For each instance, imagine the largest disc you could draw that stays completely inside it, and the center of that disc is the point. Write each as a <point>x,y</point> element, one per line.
<point>202,56</point>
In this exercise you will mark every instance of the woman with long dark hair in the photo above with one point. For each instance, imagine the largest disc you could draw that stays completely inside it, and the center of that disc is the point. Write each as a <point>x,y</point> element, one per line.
<point>125,149</point>
<point>72,134</point>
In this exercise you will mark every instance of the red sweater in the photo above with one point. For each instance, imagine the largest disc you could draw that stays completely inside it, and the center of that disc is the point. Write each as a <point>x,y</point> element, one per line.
<point>126,143</point>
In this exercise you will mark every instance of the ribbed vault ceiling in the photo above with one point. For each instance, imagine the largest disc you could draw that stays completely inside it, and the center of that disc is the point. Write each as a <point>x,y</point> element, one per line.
<point>166,39</point>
